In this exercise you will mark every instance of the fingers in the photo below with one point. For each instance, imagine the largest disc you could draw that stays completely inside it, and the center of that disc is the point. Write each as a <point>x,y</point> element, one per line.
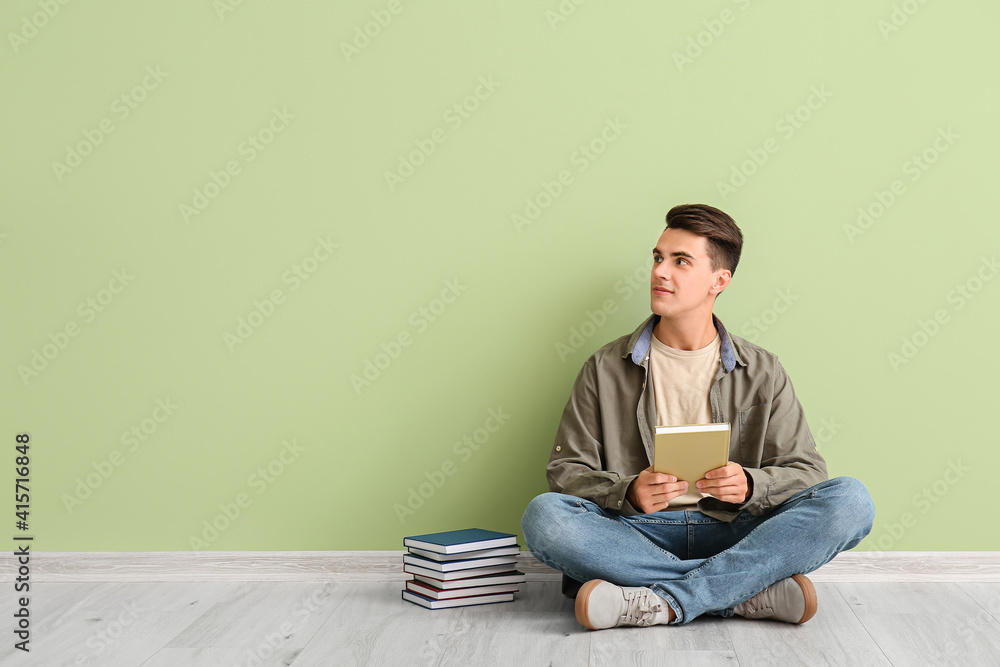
<point>666,491</point>
<point>727,483</point>
<point>731,489</point>
<point>719,484</point>
<point>658,496</point>
<point>651,477</point>
<point>731,469</point>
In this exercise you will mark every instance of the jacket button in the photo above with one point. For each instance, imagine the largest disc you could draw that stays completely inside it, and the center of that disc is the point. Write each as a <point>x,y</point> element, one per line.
<point>619,503</point>
<point>558,448</point>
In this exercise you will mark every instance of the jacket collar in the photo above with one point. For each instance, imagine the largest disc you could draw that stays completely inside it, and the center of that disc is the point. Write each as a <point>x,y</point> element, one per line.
<point>639,342</point>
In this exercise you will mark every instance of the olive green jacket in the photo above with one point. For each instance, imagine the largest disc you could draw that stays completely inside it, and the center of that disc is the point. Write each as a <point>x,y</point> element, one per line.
<point>605,436</point>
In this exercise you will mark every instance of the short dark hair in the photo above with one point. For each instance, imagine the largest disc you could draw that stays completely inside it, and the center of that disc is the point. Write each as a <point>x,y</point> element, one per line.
<point>725,240</point>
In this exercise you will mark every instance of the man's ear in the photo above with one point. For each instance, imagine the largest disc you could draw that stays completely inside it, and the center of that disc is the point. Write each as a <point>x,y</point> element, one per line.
<point>722,281</point>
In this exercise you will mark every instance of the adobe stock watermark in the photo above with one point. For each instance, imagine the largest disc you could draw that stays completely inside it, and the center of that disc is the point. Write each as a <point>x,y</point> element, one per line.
<point>581,159</point>
<point>786,126</point>
<point>294,276</point>
<point>914,168</point>
<point>454,117</point>
<point>828,429</point>
<point>270,643</point>
<point>562,12</point>
<point>259,481</point>
<point>958,297</point>
<point>32,23</point>
<point>87,310</point>
<point>108,635</point>
<point>223,7</point>
<point>900,15</point>
<point>248,149</point>
<point>364,34</point>
<point>923,501</point>
<point>970,631</point>
<point>465,449</point>
<point>135,437</point>
<point>420,319</point>
<point>592,322</point>
<point>757,325</point>
<point>121,108</point>
<point>704,39</point>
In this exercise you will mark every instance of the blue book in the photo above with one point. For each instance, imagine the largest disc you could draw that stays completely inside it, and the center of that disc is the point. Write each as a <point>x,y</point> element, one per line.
<point>460,541</point>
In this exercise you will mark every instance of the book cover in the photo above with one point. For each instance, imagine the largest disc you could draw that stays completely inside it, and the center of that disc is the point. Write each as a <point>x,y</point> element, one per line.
<point>464,564</point>
<point>431,603</point>
<point>429,591</point>
<point>484,553</point>
<point>514,577</point>
<point>688,451</point>
<point>459,574</point>
<point>459,541</point>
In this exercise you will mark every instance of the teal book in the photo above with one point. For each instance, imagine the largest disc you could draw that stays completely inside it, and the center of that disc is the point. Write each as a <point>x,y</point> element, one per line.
<point>460,541</point>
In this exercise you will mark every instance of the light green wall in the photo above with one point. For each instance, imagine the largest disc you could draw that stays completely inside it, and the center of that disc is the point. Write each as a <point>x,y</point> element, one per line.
<point>340,121</point>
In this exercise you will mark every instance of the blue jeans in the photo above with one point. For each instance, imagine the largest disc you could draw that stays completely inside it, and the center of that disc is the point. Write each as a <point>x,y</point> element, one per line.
<point>698,564</point>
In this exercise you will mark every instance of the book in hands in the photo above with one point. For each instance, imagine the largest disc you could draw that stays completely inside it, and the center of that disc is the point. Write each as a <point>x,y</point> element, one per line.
<point>460,541</point>
<point>688,451</point>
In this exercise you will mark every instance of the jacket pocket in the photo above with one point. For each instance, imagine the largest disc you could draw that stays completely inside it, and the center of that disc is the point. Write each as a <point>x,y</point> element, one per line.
<point>753,426</point>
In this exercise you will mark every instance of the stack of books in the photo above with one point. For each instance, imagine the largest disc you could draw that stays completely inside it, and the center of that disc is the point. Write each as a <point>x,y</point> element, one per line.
<point>459,568</point>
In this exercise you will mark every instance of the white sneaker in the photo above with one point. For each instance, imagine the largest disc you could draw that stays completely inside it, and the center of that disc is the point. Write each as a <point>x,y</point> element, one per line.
<point>601,604</point>
<point>792,600</point>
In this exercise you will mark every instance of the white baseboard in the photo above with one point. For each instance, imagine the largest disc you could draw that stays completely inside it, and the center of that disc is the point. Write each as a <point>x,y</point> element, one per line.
<point>325,566</point>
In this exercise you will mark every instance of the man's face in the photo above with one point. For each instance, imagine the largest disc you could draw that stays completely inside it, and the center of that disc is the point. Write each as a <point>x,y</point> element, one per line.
<point>682,280</point>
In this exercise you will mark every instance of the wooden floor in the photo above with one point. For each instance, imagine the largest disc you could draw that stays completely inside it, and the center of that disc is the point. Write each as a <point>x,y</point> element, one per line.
<point>299,623</point>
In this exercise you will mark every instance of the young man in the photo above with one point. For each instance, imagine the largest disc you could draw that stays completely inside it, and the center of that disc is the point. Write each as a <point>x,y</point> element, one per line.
<point>651,549</point>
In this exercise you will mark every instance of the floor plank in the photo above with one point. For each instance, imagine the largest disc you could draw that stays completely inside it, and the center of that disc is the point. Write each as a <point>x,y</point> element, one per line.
<point>377,627</point>
<point>834,636</point>
<point>368,623</point>
<point>703,641</point>
<point>987,595</point>
<point>926,624</point>
<point>107,624</point>
<point>261,622</point>
<point>538,628</point>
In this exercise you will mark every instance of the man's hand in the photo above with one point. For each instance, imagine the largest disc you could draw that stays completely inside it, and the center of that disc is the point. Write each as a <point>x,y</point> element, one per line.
<point>728,483</point>
<point>653,491</point>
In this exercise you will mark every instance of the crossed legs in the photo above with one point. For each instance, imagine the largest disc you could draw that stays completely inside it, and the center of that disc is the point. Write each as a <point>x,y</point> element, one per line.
<point>699,564</point>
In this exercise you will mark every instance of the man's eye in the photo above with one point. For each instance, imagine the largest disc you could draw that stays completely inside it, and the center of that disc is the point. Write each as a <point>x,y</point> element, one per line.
<point>681,259</point>
<point>656,259</point>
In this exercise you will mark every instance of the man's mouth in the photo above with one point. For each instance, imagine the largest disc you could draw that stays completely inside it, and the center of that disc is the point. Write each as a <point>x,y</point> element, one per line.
<point>661,290</point>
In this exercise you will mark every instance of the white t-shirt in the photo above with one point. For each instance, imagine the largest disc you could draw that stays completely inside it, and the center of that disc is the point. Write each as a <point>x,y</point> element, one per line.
<point>682,380</point>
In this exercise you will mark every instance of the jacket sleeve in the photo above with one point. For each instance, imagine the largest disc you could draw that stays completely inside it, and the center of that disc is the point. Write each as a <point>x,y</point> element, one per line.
<point>576,464</point>
<point>789,461</point>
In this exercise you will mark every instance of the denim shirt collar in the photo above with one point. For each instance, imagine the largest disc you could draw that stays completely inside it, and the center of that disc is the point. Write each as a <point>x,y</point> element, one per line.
<point>639,343</point>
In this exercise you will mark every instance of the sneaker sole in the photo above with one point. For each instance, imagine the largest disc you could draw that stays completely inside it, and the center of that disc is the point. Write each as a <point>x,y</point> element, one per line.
<point>809,592</point>
<point>582,602</point>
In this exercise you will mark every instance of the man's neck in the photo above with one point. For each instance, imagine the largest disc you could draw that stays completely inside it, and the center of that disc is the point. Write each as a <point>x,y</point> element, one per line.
<point>690,334</point>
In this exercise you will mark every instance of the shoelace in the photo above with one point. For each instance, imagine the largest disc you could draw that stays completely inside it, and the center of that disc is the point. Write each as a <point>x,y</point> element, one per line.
<point>755,605</point>
<point>640,610</point>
